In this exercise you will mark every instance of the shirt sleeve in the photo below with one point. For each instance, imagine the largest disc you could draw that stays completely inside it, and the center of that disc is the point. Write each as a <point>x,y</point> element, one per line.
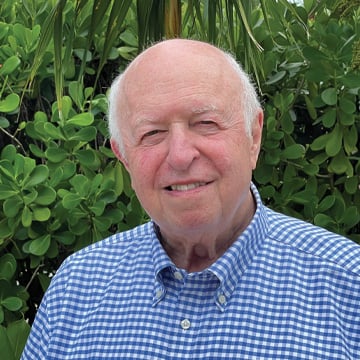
<point>38,341</point>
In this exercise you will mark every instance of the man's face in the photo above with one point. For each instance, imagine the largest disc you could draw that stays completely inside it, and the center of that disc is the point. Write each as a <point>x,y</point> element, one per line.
<point>186,148</point>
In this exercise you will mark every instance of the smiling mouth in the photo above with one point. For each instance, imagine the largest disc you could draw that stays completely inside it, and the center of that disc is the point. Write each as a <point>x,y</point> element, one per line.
<point>185,187</point>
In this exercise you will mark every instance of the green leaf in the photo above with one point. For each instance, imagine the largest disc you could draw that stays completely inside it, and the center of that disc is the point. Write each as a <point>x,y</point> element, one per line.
<point>30,196</point>
<point>6,350</point>
<point>56,155</point>
<point>71,201</point>
<point>6,191</point>
<point>352,184</point>
<point>18,332</point>
<point>46,195</point>
<point>319,159</point>
<point>102,223</point>
<point>88,158</point>
<point>119,179</point>
<point>324,221</point>
<point>340,164</point>
<point>311,169</point>
<point>329,96</point>
<point>84,119</point>
<point>98,208</point>
<point>351,216</point>
<point>5,230</point>
<point>9,152</point>
<point>10,104</point>
<point>10,65</point>
<point>40,245</point>
<point>81,184</point>
<point>351,80</point>
<point>53,131</point>
<point>7,170</point>
<point>44,281</point>
<point>66,238</point>
<point>313,54</point>
<point>351,139</point>
<point>262,174</point>
<point>12,206</point>
<point>41,213</point>
<point>329,118</point>
<point>4,123</point>
<point>12,303</point>
<point>334,141</point>
<point>346,119</point>
<point>326,203</point>
<point>76,93</point>
<point>7,266</point>
<point>303,197</point>
<point>276,77</point>
<point>26,217</point>
<point>295,151</point>
<point>36,151</point>
<point>310,107</point>
<point>37,176</point>
<point>347,106</point>
<point>86,134</point>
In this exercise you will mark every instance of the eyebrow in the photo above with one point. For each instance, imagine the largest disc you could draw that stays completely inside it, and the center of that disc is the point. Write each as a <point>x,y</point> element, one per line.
<point>142,121</point>
<point>204,109</point>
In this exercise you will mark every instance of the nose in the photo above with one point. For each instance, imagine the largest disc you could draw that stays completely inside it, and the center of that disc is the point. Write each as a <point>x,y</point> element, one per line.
<point>182,149</point>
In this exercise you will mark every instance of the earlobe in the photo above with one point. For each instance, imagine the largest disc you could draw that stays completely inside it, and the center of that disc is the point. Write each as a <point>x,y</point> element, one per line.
<point>116,150</point>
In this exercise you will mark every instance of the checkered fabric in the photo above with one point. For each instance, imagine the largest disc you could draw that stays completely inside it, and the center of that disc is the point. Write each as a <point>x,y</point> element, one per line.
<point>284,290</point>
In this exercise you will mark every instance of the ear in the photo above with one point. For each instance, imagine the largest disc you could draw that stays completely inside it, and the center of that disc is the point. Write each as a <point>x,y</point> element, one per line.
<point>256,133</point>
<point>116,150</point>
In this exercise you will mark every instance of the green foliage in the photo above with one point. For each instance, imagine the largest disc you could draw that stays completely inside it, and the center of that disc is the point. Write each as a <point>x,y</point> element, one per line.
<point>61,187</point>
<point>310,161</point>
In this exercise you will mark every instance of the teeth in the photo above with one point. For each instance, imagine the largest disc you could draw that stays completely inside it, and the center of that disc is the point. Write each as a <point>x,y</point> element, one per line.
<point>187,186</point>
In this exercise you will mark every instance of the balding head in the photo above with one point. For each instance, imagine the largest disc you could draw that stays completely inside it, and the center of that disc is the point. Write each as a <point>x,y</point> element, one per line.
<point>178,61</point>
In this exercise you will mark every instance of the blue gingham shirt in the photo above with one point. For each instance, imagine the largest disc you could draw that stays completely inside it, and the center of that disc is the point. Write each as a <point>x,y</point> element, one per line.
<point>284,290</point>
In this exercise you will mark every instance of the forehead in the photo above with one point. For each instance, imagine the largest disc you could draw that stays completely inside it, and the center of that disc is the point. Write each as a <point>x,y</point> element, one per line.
<point>197,76</point>
<point>182,59</point>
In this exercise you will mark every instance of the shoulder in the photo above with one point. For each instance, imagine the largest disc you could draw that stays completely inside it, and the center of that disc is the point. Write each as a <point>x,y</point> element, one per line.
<point>106,256</point>
<point>314,241</point>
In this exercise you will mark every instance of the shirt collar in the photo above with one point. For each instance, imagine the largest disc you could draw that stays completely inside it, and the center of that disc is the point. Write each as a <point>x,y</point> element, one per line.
<point>229,267</point>
<point>161,262</point>
<point>232,265</point>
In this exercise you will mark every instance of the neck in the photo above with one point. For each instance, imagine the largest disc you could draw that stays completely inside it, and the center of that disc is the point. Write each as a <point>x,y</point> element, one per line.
<point>195,251</point>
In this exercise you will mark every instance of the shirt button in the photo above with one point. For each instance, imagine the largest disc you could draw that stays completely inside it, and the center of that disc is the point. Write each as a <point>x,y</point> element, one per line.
<point>177,275</point>
<point>158,294</point>
<point>185,324</point>
<point>222,299</point>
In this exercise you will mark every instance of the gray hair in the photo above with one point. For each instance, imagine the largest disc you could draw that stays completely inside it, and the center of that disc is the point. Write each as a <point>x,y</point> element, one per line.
<point>114,112</point>
<point>247,98</point>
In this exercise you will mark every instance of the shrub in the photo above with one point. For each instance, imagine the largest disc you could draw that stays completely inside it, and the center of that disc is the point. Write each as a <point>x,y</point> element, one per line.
<point>61,187</point>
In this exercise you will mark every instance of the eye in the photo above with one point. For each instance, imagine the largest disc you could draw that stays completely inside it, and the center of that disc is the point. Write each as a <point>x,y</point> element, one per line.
<point>207,123</point>
<point>153,137</point>
<point>151,133</point>
<point>206,126</point>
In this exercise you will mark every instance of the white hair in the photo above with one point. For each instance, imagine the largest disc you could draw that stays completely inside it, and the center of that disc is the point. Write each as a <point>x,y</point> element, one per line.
<point>114,112</point>
<point>248,100</point>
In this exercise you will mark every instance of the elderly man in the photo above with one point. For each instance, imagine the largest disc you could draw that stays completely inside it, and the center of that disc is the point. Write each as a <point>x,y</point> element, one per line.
<point>214,274</point>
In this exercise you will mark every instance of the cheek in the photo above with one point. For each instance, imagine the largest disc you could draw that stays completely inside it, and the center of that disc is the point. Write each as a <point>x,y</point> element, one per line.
<point>235,163</point>
<point>143,169</point>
